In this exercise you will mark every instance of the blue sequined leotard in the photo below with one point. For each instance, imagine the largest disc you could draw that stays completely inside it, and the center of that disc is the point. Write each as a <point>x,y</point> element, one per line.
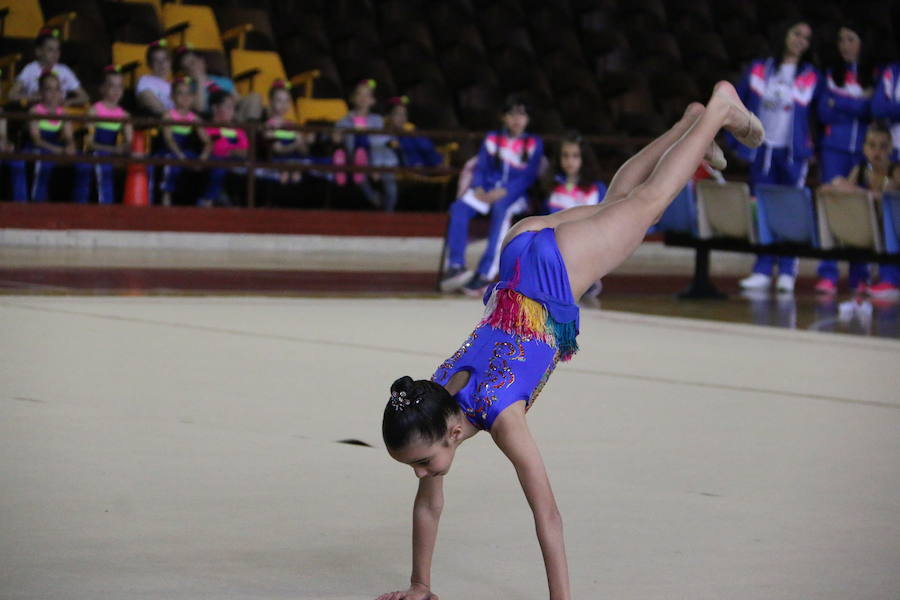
<point>530,324</point>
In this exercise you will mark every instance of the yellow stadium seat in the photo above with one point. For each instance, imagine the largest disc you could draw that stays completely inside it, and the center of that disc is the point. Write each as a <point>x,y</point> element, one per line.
<point>202,32</point>
<point>61,22</point>
<point>8,72</point>
<point>24,20</point>
<point>320,109</point>
<point>126,54</point>
<point>255,70</point>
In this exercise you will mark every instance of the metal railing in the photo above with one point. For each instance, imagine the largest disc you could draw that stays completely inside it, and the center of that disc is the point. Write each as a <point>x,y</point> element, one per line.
<point>253,163</point>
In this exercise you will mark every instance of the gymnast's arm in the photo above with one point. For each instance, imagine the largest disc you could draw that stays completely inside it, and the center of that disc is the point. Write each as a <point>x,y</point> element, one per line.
<point>426,514</point>
<point>510,432</point>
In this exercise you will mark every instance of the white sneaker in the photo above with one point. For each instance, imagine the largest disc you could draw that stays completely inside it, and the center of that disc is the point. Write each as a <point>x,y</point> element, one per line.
<point>756,281</point>
<point>455,278</point>
<point>785,283</point>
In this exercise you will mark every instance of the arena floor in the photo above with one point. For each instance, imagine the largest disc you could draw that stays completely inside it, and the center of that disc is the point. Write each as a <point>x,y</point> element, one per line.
<point>189,447</point>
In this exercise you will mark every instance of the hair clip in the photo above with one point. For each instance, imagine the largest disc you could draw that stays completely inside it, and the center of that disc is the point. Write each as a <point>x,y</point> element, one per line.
<point>399,401</point>
<point>50,31</point>
<point>368,82</point>
<point>182,79</point>
<point>112,69</point>
<point>398,101</point>
<point>163,43</point>
<point>184,48</point>
<point>281,84</point>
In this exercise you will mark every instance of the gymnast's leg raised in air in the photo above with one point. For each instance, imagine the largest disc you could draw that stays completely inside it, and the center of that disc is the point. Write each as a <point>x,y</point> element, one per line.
<point>594,240</point>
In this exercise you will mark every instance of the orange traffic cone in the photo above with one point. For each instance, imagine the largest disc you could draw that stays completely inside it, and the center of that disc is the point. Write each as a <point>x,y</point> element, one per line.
<point>136,192</point>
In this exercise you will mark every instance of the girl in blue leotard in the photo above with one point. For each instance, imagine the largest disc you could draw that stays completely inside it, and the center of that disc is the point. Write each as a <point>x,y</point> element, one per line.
<point>530,324</point>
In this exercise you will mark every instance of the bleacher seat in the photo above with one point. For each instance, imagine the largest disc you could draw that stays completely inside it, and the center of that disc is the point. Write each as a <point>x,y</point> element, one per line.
<point>847,219</point>
<point>399,14</point>
<point>681,215</point>
<point>132,58</point>
<point>257,29</point>
<point>24,20</point>
<point>132,22</point>
<point>320,109</point>
<point>786,214</point>
<point>156,5</point>
<point>202,32</point>
<point>725,210</point>
<point>255,70</point>
<point>890,207</point>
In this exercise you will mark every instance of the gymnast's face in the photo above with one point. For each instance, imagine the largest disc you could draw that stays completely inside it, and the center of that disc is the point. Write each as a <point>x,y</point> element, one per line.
<point>428,459</point>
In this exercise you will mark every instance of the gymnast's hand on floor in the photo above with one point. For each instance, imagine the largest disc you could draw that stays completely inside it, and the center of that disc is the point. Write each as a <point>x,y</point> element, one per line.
<point>415,592</point>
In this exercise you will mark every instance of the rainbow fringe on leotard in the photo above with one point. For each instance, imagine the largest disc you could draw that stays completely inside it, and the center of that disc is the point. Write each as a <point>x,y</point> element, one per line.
<point>514,313</point>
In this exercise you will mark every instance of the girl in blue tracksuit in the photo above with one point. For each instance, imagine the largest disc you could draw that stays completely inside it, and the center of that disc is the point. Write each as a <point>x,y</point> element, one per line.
<point>780,91</point>
<point>886,103</point>
<point>886,106</point>
<point>572,182</point>
<point>844,108</point>
<point>508,163</point>
<point>411,150</point>
<point>873,173</point>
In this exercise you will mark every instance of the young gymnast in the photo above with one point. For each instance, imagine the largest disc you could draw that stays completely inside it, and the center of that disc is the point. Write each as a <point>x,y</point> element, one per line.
<point>530,324</point>
<point>177,138</point>
<point>48,136</point>
<point>109,138</point>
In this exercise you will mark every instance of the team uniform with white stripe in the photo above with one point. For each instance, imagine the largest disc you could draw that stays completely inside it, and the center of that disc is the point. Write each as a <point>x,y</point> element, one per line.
<point>503,162</point>
<point>781,96</point>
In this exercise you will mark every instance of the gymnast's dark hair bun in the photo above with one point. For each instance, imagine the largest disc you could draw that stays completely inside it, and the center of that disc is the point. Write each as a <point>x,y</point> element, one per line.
<point>412,389</point>
<point>417,410</point>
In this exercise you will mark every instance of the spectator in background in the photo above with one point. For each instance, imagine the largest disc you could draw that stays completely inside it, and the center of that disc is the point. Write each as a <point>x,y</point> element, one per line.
<point>886,103</point>
<point>193,64</point>
<point>178,138</point>
<point>873,173</point>
<point>48,136</point>
<point>508,164</point>
<point>284,144</point>
<point>18,185</point>
<point>227,143</point>
<point>154,89</point>
<point>572,181</point>
<point>111,138</point>
<point>411,150</point>
<point>47,52</point>
<point>844,107</point>
<point>780,91</point>
<point>368,149</point>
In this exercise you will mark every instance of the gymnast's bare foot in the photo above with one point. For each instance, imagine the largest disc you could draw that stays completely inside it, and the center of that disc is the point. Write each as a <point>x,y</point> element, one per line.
<point>742,123</point>
<point>715,157</point>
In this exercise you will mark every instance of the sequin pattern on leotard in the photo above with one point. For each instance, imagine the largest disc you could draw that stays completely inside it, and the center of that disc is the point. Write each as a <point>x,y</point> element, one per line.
<point>504,368</point>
